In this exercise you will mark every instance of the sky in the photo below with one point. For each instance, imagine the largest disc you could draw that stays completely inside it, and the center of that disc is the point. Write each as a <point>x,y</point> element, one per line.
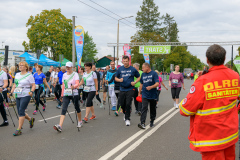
<point>198,21</point>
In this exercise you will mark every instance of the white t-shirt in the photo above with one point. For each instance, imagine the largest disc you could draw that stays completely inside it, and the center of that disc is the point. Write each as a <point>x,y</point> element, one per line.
<point>3,76</point>
<point>90,80</point>
<point>52,75</point>
<point>25,83</point>
<point>71,82</point>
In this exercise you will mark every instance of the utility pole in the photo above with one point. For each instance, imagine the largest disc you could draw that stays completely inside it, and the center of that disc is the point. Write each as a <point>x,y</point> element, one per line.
<point>73,42</point>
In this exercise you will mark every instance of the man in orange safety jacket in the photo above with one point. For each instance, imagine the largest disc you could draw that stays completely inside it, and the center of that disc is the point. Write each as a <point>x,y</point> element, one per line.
<point>211,105</point>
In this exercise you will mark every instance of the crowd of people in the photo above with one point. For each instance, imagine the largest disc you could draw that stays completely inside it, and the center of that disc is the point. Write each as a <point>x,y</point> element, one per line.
<point>207,96</point>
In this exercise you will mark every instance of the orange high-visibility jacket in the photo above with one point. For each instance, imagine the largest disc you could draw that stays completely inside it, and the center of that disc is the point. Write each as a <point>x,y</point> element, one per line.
<point>211,105</point>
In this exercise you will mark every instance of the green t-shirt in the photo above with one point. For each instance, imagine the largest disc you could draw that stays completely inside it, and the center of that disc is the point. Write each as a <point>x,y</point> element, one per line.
<point>138,84</point>
<point>195,77</point>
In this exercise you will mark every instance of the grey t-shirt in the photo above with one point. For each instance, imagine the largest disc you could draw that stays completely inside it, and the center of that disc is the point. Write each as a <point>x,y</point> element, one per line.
<point>90,80</point>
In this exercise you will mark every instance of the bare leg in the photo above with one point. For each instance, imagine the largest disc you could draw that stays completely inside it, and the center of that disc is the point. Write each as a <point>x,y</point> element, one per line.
<point>20,122</point>
<point>92,110</point>
<point>87,111</point>
<point>104,96</point>
<point>177,100</point>
<point>61,120</point>
<point>79,116</point>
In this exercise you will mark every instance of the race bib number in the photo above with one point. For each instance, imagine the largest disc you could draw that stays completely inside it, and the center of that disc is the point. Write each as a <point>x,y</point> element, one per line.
<point>111,86</point>
<point>86,89</point>
<point>175,81</point>
<point>81,87</point>
<point>68,92</point>
<point>18,90</point>
<point>37,86</point>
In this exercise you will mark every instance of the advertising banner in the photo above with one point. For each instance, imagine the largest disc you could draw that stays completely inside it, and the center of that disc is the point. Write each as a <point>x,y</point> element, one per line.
<point>146,58</point>
<point>127,52</point>
<point>237,64</point>
<point>79,42</point>
<point>154,49</point>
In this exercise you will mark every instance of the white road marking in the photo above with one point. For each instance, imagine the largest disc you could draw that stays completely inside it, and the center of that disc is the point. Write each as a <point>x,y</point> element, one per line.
<point>57,116</point>
<point>148,134</point>
<point>130,139</point>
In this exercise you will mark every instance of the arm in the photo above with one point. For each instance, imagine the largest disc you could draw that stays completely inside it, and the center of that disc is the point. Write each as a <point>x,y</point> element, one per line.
<point>13,88</point>
<point>96,85</point>
<point>182,82</point>
<point>75,85</point>
<point>81,82</point>
<point>140,89</point>
<point>45,81</point>
<point>10,80</point>
<point>153,86</point>
<point>5,83</point>
<point>164,85</point>
<point>118,80</point>
<point>112,79</point>
<point>33,89</point>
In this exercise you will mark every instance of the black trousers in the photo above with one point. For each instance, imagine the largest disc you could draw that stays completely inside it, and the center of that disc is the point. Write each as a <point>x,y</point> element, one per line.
<point>175,92</point>
<point>2,109</point>
<point>58,91</point>
<point>38,100</point>
<point>145,109</point>
<point>66,101</point>
<point>83,94</point>
<point>125,101</point>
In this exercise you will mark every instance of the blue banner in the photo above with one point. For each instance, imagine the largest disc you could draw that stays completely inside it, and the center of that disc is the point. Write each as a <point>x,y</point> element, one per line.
<point>146,58</point>
<point>79,42</point>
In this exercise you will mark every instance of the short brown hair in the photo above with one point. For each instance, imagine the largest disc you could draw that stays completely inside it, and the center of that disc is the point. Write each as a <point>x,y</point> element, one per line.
<point>147,65</point>
<point>112,62</point>
<point>40,66</point>
<point>25,64</point>
<point>125,57</point>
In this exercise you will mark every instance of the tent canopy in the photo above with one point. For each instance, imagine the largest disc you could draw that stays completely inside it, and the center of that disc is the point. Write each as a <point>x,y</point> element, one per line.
<point>66,60</point>
<point>31,60</point>
<point>48,61</point>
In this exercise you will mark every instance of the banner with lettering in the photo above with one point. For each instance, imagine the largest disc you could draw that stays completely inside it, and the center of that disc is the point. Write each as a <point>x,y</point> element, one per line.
<point>154,49</point>
<point>237,64</point>
<point>79,42</point>
<point>146,58</point>
<point>127,52</point>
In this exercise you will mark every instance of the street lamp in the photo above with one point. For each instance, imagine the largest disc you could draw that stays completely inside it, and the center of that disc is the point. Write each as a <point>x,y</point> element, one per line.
<point>118,36</point>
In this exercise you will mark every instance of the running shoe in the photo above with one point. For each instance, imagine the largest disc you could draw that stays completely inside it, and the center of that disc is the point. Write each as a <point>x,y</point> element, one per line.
<point>35,112</point>
<point>81,101</point>
<point>139,113</point>
<point>59,107</point>
<point>104,102</point>
<point>114,108</point>
<point>176,106</point>
<point>151,123</point>
<point>101,105</point>
<point>80,124</point>
<point>5,123</point>
<point>31,122</point>
<point>127,122</point>
<point>85,119</point>
<point>17,132</point>
<point>57,128</point>
<point>93,117</point>
<point>142,126</point>
<point>116,113</point>
<point>44,107</point>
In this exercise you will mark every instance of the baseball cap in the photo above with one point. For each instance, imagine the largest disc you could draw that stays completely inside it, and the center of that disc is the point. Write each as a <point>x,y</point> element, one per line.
<point>69,64</point>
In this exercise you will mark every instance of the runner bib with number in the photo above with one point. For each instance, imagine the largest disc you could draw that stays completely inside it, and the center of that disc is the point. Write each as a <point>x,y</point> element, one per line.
<point>81,87</point>
<point>68,92</point>
<point>174,83</point>
<point>18,90</point>
<point>111,86</point>
<point>86,88</point>
<point>37,86</point>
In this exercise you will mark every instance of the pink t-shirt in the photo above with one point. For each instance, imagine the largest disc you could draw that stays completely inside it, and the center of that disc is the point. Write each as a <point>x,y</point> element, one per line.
<point>72,81</point>
<point>159,87</point>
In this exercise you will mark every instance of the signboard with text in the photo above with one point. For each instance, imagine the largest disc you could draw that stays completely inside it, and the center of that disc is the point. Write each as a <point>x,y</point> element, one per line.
<point>154,49</point>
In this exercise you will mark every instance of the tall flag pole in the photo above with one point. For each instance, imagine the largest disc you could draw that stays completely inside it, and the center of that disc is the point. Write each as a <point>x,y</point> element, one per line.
<point>79,42</point>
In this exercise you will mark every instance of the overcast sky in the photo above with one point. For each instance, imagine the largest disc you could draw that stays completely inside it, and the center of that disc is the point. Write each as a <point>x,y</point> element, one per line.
<point>198,21</point>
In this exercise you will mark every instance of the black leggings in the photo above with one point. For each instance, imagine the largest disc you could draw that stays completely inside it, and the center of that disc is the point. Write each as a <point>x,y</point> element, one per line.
<point>98,98</point>
<point>58,91</point>
<point>175,92</point>
<point>66,101</point>
<point>38,100</point>
<point>90,96</point>
<point>2,109</point>
<point>83,94</point>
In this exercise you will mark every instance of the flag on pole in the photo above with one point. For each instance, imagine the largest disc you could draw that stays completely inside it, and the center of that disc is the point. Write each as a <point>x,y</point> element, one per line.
<point>127,52</point>
<point>79,42</point>
<point>146,58</point>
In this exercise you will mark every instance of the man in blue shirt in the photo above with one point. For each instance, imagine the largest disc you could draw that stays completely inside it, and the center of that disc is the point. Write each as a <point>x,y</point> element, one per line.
<point>58,84</point>
<point>125,75</point>
<point>149,83</point>
<point>34,68</point>
<point>111,91</point>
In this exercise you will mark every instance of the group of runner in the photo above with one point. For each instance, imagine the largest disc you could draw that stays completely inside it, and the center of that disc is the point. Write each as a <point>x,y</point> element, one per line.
<point>122,84</point>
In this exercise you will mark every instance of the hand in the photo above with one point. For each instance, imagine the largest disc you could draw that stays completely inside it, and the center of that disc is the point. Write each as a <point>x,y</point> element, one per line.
<point>169,85</point>
<point>72,87</point>
<point>9,94</point>
<point>133,83</point>
<point>96,92</point>
<point>184,88</point>
<point>61,99</point>
<point>30,94</point>
<point>121,80</point>
<point>199,73</point>
<point>50,90</point>
<point>149,88</point>
<point>139,94</point>
<point>1,89</point>
<point>166,88</point>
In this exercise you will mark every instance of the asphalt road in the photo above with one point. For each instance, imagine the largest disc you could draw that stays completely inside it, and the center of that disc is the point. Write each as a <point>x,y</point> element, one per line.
<point>107,137</point>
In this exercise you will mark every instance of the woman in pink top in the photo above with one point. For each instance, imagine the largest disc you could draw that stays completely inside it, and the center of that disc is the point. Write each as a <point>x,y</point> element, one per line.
<point>176,83</point>
<point>159,87</point>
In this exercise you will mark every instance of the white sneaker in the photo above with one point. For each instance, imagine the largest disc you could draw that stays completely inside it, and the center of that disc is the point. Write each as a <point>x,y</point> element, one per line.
<point>176,106</point>
<point>79,124</point>
<point>127,123</point>
<point>101,105</point>
<point>124,117</point>
<point>174,103</point>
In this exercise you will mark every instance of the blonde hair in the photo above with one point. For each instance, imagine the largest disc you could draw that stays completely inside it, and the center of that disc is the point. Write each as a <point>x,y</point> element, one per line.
<point>25,64</point>
<point>40,67</point>
<point>12,70</point>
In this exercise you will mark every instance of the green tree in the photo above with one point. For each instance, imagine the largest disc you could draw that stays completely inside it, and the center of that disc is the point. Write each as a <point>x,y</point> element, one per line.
<point>89,49</point>
<point>148,18</point>
<point>50,30</point>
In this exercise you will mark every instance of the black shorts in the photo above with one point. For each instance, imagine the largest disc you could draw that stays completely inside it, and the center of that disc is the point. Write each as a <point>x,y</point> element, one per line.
<point>105,88</point>
<point>90,96</point>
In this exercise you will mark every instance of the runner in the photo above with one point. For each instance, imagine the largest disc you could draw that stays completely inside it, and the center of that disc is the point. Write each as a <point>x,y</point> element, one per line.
<point>159,88</point>
<point>34,68</point>
<point>58,86</point>
<point>12,72</point>
<point>98,79</point>
<point>39,80</point>
<point>104,85</point>
<point>23,82</point>
<point>70,82</point>
<point>48,75</point>
<point>111,91</point>
<point>125,75</point>
<point>149,83</point>
<point>90,89</point>
<point>3,95</point>
<point>138,105</point>
<point>176,83</point>
<point>82,98</point>
<point>52,79</point>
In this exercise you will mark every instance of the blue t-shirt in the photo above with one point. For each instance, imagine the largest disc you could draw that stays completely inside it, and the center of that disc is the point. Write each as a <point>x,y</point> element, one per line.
<point>149,79</point>
<point>34,70</point>
<point>60,75</point>
<point>128,75</point>
<point>39,78</point>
